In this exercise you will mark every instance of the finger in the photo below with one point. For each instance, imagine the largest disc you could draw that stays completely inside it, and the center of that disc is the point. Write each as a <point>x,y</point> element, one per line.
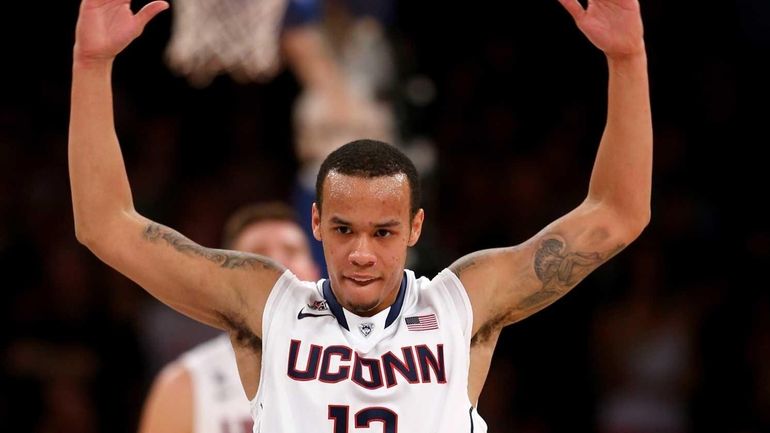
<point>149,11</point>
<point>574,8</point>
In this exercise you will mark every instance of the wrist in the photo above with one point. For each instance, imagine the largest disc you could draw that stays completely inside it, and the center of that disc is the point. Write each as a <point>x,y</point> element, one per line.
<point>84,61</point>
<point>627,60</point>
<point>636,56</point>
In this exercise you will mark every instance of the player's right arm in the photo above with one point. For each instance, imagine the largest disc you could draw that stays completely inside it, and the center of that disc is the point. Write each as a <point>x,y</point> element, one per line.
<point>221,288</point>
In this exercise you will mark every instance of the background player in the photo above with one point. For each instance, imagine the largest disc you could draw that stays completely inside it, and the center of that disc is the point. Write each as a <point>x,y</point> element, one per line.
<point>201,391</point>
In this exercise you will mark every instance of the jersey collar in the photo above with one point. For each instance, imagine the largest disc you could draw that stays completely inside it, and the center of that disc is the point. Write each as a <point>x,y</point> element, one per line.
<point>336,308</point>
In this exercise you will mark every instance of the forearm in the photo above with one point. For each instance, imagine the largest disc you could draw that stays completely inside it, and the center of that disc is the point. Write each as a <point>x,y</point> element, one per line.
<point>100,188</point>
<point>622,173</point>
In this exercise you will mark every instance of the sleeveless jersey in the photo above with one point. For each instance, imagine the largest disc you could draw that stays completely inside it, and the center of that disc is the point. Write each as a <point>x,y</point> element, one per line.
<point>220,404</point>
<point>405,369</point>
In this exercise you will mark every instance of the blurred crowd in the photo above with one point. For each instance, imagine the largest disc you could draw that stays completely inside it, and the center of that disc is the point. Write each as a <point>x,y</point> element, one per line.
<point>502,112</point>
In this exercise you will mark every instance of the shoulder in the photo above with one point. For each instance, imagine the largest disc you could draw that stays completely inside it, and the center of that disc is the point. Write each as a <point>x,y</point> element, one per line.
<point>288,293</point>
<point>171,393</point>
<point>291,290</point>
<point>445,280</point>
<point>445,283</point>
<point>289,283</point>
<point>446,294</point>
<point>175,377</point>
<point>288,290</point>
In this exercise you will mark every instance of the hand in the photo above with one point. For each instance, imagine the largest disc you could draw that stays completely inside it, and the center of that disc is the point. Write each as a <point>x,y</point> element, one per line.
<point>613,26</point>
<point>106,27</point>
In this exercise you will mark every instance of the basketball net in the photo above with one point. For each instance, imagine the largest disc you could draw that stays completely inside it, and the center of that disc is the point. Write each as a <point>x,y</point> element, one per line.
<point>235,37</point>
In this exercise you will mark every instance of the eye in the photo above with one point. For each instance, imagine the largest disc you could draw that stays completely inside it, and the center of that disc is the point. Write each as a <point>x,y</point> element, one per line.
<point>382,233</point>
<point>345,230</point>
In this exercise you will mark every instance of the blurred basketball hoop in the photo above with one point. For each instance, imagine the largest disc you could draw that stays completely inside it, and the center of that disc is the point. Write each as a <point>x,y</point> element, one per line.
<point>235,37</point>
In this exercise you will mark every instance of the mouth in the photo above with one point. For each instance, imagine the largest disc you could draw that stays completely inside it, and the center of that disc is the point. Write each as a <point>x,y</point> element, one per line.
<point>360,280</point>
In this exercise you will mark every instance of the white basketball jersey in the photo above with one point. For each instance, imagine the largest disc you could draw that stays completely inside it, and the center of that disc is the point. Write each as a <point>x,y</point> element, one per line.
<point>220,403</point>
<point>326,370</point>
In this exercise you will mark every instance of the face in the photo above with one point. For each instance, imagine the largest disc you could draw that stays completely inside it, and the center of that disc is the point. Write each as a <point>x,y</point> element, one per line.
<point>282,241</point>
<point>366,229</point>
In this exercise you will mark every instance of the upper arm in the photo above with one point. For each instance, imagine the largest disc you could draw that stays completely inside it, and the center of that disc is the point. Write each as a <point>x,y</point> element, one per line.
<point>169,406</point>
<point>506,285</point>
<point>225,289</point>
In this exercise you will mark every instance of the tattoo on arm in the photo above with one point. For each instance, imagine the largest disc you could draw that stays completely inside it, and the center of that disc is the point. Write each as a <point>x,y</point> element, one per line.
<point>559,270</point>
<point>227,259</point>
<point>469,261</point>
<point>556,268</point>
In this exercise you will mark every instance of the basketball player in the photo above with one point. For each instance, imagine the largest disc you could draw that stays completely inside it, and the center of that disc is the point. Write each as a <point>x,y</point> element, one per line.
<point>202,390</point>
<point>373,347</point>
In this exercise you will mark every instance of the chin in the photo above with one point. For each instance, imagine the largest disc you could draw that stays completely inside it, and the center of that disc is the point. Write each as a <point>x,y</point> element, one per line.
<point>359,303</point>
<point>362,305</point>
<point>362,309</point>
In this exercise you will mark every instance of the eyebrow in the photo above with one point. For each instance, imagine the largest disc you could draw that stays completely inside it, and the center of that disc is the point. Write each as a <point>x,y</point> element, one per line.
<point>391,223</point>
<point>386,224</point>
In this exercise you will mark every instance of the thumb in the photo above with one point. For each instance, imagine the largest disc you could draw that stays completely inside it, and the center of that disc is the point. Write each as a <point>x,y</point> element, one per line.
<point>149,11</point>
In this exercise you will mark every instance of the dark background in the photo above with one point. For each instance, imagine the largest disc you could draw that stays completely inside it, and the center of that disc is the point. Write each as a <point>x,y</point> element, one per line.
<point>671,335</point>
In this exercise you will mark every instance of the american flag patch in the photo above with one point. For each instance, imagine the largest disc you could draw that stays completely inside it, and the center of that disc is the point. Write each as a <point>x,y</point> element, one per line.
<point>421,323</point>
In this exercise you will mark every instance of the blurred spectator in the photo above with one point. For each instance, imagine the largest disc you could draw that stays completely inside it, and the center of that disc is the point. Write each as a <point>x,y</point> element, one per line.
<point>644,345</point>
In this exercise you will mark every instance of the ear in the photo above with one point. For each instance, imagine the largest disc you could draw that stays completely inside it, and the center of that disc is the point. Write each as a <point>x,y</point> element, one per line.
<point>316,222</point>
<point>414,235</point>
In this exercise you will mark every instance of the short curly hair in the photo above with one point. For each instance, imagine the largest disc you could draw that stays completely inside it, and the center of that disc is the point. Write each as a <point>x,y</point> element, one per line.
<point>368,159</point>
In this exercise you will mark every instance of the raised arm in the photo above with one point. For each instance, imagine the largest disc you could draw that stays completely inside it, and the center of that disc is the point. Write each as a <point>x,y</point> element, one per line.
<point>508,284</point>
<point>221,288</point>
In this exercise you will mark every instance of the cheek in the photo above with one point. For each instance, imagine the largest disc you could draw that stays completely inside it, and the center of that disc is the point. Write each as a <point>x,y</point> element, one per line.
<point>396,252</point>
<point>332,251</point>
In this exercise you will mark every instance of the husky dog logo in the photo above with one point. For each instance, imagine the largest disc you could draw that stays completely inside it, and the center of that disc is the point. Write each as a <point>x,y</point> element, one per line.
<point>366,328</point>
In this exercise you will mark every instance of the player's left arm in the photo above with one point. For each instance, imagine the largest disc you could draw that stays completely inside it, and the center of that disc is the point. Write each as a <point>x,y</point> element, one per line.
<point>509,284</point>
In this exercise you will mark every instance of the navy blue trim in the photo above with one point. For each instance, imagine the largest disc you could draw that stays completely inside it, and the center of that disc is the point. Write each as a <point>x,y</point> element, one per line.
<point>395,309</point>
<point>336,308</point>
<point>470,413</point>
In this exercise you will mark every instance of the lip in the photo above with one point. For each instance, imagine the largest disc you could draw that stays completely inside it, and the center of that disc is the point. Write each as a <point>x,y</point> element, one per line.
<point>361,280</point>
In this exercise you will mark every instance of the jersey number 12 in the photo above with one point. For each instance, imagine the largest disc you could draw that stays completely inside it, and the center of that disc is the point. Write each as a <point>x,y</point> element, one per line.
<point>362,418</point>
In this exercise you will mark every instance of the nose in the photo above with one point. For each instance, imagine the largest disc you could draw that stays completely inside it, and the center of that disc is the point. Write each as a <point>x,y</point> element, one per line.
<point>362,255</point>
